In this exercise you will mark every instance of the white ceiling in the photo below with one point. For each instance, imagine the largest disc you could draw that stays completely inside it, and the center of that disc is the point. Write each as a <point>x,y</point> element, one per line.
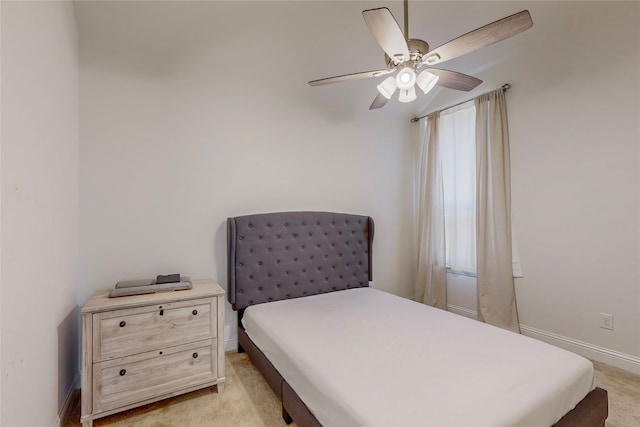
<point>307,40</point>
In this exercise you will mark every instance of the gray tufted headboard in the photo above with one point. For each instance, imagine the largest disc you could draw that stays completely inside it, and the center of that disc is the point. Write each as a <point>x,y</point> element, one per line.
<point>275,256</point>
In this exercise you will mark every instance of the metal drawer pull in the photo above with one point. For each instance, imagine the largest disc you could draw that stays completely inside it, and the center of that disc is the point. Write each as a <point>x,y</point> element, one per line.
<point>161,312</point>
<point>122,372</point>
<point>122,324</point>
<point>195,355</point>
<point>194,312</point>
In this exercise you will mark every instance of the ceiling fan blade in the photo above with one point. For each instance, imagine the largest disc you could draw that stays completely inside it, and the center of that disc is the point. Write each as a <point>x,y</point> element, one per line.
<point>455,80</point>
<point>386,31</point>
<point>481,37</point>
<point>362,75</point>
<point>379,102</point>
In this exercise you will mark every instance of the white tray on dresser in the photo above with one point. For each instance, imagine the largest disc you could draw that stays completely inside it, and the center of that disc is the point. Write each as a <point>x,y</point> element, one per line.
<point>143,348</point>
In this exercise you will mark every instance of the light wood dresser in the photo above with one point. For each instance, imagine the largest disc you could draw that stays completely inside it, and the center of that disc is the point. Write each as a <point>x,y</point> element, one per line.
<point>143,348</point>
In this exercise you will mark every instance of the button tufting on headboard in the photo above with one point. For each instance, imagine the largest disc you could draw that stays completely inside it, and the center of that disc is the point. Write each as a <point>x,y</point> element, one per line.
<point>275,256</point>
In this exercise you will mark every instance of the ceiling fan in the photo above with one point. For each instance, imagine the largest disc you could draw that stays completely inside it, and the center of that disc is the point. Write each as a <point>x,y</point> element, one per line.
<point>406,57</point>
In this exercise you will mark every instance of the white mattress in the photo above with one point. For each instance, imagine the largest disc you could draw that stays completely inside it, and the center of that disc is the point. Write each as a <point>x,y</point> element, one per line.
<point>366,357</point>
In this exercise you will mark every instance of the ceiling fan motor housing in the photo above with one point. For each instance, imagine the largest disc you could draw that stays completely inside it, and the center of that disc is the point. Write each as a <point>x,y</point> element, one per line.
<point>417,48</point>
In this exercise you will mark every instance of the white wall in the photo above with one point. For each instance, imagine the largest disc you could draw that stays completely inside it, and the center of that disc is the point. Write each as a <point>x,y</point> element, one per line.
<point>171,147</point>
<point>576,183</point>
<point>574,130</point>
<point>0,215</point>
<point>175,138</point>
<point>40,210</point>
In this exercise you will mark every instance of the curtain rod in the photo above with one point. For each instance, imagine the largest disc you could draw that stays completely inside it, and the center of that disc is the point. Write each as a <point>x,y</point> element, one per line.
<point>504,87</point>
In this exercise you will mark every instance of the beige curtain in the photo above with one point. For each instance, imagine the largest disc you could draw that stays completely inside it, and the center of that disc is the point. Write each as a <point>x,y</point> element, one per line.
<point>496,293</point>
<point>431,283</point>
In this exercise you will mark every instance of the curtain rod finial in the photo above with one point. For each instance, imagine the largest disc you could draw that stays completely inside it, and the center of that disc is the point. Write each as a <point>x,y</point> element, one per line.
<point>506,86</point>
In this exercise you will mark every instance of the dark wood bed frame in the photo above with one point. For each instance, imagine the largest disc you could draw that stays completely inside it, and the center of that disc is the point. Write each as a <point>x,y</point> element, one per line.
<point>285,255</point>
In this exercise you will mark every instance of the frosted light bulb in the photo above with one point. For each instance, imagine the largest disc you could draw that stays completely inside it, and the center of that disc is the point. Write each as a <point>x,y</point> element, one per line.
<point>405,78</point>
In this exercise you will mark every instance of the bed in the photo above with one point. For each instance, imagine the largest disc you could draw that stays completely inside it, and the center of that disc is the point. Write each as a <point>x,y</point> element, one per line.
<point>337,352</point>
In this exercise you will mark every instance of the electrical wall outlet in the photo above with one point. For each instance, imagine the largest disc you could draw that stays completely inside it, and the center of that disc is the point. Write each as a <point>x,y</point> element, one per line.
<point>606,321</point>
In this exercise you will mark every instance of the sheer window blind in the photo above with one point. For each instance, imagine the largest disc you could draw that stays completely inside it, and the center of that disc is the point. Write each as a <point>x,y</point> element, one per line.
<point>458,153</point>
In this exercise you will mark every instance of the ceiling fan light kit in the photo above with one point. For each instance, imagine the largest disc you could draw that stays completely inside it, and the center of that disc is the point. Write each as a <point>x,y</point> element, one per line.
<point>388,87</point>
<point>427,81</point>
<point>407,95</point>
<point>406,78</point>
<point>405,56</point>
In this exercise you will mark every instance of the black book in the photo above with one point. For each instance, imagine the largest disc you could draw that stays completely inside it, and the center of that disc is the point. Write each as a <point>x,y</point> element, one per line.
<point>169,278</point>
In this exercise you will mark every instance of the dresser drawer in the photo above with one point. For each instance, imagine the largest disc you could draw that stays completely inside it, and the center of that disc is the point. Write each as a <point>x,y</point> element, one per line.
<point>133,379</point>
<point>140,349</point>
<point>136,330</point>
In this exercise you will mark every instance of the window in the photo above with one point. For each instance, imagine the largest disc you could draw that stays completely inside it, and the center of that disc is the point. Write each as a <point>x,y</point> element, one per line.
<point>458,153</point>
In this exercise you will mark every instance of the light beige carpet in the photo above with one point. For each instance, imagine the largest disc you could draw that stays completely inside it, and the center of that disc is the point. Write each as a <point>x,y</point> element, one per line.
<point>247,400</point>
<point>624,395</point>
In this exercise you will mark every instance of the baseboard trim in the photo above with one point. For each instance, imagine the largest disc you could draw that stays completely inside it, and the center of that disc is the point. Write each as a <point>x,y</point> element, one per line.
<point>231,344</point>
<point>610,357</point>
<point>472,314</point>
<point>601,354</point>
<point>69,403</point>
